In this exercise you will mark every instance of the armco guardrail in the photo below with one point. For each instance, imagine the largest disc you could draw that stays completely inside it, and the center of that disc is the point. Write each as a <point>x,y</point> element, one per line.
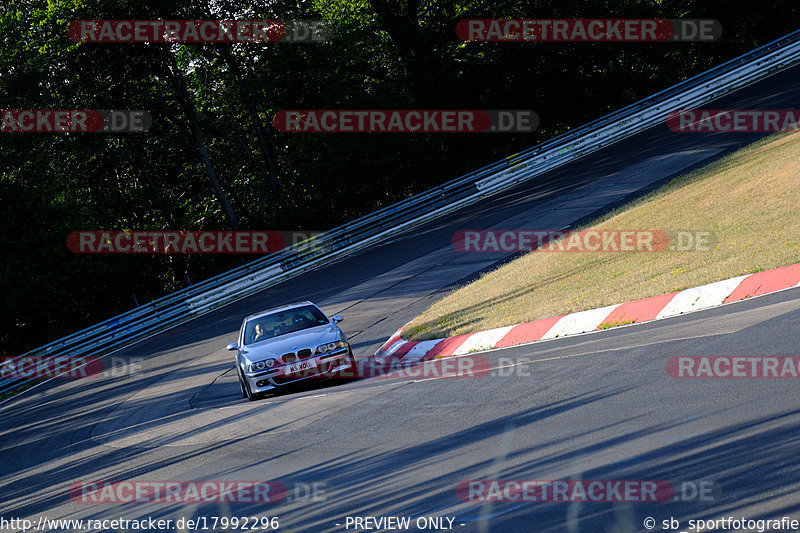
<point>181,306</point>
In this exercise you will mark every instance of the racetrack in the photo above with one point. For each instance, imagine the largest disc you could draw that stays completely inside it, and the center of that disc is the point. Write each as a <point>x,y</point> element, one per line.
<point>599,406</point>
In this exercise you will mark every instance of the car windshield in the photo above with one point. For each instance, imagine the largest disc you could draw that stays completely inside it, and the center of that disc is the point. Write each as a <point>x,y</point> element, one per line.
<point>283,322</point>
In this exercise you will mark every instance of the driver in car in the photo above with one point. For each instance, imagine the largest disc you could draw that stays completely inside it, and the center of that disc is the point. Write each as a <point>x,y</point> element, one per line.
<point>260,333</point>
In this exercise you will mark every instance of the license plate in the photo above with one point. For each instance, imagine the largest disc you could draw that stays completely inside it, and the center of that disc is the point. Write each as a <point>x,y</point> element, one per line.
<point>301,366</point>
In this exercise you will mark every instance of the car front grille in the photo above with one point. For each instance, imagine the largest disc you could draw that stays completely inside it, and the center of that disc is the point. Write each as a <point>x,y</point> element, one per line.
<point>291,357</point>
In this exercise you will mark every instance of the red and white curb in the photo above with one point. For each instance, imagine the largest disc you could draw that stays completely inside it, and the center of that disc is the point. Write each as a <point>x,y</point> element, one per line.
<point>653,308</point>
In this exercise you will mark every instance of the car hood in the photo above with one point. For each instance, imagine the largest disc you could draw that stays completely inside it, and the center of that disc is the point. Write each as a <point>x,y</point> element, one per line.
<point>291,342</point>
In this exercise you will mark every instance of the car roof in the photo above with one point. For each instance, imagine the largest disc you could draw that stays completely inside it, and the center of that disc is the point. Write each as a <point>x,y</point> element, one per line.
<point>281,308</point>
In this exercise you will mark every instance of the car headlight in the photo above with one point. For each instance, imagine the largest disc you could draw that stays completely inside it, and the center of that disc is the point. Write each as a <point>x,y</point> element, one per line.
<point>322,348</point>
<point>261,365</point>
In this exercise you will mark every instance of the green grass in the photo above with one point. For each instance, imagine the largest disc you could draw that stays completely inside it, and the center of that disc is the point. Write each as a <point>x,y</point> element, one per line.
<point>749,200</point>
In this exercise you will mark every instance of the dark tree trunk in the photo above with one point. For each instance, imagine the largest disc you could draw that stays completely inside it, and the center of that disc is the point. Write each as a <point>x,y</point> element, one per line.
<point>233,65</point>
<point>187,104</point>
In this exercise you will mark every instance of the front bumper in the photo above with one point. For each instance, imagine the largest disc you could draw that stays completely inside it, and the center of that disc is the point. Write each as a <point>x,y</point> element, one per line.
<point>327,365</point>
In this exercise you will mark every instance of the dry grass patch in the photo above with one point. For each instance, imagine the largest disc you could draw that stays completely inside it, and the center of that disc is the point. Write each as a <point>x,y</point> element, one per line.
<point>749,200</point>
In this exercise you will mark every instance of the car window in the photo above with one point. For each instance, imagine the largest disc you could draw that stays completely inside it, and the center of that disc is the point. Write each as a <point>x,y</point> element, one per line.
<point>276,324</point>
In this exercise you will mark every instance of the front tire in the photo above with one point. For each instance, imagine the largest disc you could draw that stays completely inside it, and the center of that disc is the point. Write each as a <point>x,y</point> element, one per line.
<point>246,392</point>
<point>241,386</point>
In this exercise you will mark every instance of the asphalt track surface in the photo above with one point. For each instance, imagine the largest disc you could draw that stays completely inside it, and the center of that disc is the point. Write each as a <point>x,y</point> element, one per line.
<point>597,406</point>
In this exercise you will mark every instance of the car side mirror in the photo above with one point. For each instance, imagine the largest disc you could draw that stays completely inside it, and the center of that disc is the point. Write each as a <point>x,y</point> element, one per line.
<point>337,318</point>
<point>232,346</point>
